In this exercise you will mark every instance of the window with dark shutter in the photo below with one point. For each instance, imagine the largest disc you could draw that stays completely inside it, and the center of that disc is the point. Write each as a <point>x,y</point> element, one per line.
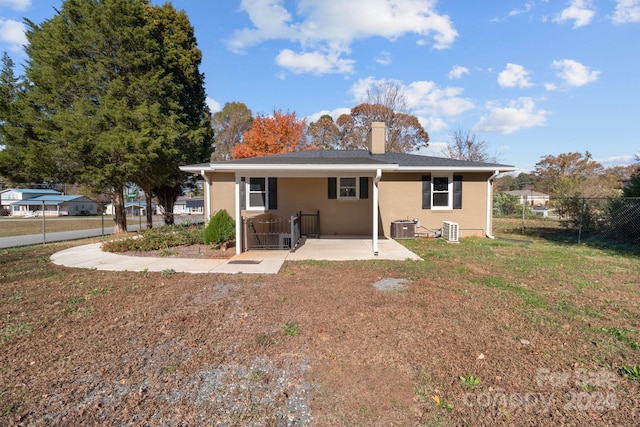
<point>426,192</point>
<point>457,192</point>
<point>273,193</point>
<point>364,187</point>
<point>243,193</point>
<point>332,188</point>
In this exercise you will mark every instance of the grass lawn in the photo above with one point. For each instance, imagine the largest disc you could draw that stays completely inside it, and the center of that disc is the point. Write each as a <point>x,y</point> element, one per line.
<point>486,332</point>
<point>14,226</point>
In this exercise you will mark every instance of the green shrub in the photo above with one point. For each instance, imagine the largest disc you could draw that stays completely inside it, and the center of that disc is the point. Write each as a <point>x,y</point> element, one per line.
<point>506,205</point>
<point>221,229</point>
<point>158,238</point>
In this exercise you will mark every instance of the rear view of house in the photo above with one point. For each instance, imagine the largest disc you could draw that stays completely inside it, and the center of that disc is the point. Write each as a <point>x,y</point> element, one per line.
<point>355,192</point>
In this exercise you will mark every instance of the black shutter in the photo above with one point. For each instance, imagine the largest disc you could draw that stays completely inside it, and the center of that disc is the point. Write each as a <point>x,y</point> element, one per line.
<point>364,187</point>
<point>333,188</point>
<point>243,193</point>
<point>273,193</point>
<point>457,192</point>
<point>426,192</point>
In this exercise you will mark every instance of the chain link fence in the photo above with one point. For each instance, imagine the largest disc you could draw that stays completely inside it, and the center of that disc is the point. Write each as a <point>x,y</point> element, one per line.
<point>573,219</point>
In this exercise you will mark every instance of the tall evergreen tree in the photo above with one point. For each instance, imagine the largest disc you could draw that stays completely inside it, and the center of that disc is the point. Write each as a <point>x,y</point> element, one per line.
<point>105,92</point>
<point>181,132</point>
<point>12,141</point>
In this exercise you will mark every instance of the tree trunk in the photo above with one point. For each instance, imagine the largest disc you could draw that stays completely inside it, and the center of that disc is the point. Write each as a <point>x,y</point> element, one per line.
<point>147,198</point>
<point>167,196</point>
<point>120,213</point>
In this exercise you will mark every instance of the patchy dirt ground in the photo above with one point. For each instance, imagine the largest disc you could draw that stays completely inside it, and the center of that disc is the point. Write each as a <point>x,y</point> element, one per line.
<point>325,343</point>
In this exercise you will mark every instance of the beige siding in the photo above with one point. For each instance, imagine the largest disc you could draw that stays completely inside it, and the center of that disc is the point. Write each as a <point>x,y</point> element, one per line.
<point>223,193</point>
<point>401,199</point>
<point>337,217</point>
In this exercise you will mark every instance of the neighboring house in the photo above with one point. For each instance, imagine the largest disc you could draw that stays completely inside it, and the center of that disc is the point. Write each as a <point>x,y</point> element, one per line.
<point>55,205</point>
<point>132,208</point>
<point>530,197</point>
<point>12,195</point>
<point>186,205</point>
<point>356,192</point>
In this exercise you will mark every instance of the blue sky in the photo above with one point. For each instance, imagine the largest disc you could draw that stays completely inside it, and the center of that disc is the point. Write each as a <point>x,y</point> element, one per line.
<point>531,78</point>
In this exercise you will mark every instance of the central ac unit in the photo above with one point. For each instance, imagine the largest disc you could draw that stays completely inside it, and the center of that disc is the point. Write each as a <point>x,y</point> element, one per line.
<point>450,231</point>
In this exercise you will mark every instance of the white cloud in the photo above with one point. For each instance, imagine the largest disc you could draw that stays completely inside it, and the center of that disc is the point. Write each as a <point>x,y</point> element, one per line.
<point>360,88</point>
<point>575,73</point>
<point>313,62</point>
<point>626,11</point>
<point>432,124</point>
<point>16,4</point>
<point>330,26</point>
<point>527,8</point>
<point>550,86</point>
<point>383,58</point>
<point>436,149</point>
<point>333,113</point>
<point>514,75</point>
<point>519,114</point>
<point>457,72</point>
<point>214,105</point>
<point>628,159</point>
<point>515,12</point>
<point>579,11</point>
<point>426,98</point>
<point>13,33</point>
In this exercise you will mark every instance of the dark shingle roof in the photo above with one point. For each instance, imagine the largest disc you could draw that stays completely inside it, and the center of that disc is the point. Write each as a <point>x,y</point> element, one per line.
<point>316,157</point>
<point>404,159</point>
<point>358,157</point>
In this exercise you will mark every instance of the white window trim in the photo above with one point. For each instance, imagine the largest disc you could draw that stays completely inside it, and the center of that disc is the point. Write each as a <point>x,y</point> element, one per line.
<point>449,190</point>
<point>248,194</point>
<point>357,196</point>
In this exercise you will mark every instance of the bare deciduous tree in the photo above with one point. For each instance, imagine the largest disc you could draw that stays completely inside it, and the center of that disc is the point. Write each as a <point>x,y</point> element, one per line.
<point>389,94</point>
<point>465,145</point>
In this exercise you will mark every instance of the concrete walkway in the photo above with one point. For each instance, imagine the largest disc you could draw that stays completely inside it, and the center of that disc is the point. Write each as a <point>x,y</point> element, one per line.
<point>251,262</point>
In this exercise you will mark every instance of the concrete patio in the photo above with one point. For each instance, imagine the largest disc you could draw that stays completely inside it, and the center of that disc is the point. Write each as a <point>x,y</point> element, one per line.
<point>251,262</point>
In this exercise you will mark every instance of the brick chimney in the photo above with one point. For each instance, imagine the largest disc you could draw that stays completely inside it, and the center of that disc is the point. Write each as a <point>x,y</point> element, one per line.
<point>376,138</point>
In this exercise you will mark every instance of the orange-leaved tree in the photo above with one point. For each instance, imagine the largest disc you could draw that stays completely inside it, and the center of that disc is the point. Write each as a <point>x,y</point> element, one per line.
<point>281,133</point>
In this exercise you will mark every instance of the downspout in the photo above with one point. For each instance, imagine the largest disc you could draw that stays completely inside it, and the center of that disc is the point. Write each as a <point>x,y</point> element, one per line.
<point>376,180</point>
<point>490,204</point>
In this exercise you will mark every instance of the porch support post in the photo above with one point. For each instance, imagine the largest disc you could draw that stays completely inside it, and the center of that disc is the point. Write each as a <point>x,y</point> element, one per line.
<point>207,198</point>
<point>238,218</point>
<point>376,180</point>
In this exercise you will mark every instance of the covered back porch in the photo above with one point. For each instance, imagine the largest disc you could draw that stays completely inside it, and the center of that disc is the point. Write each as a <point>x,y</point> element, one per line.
<point>279,209</point>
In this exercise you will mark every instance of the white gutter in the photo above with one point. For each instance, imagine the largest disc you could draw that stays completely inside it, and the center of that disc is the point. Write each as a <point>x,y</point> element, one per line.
<point>376,180</point>
<point>302,167</point>
<point>490,204</point>
<point>454,169</point>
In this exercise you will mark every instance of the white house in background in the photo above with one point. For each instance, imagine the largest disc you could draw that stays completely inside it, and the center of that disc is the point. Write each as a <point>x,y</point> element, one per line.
<point>133,208</point>
<point>55,205</point>
<point>187,205</point>
<point>12,195</point>
<point>530,197</point>
<point>35,201</point>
